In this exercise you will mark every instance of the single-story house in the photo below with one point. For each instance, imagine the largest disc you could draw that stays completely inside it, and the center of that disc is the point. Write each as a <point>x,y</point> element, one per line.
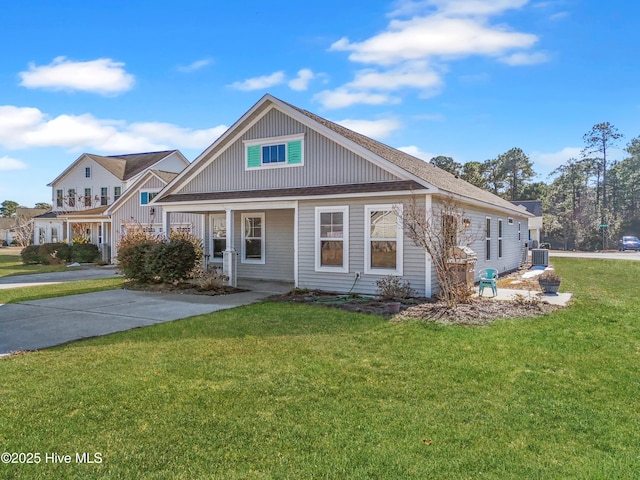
<point>288,195</point>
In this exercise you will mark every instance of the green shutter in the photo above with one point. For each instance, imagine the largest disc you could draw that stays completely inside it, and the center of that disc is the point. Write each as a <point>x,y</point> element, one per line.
<point>294,152</point>
<point>253,156</point>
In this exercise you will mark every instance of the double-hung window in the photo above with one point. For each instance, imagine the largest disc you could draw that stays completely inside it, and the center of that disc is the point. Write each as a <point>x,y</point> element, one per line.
<point>87,197</point>
<point>87,172</point>
<point>117,192</point>
<point>253,230</point>
<point>383,239</point>
<point>59,198</point>
<point>104,195</point>
<point>332,239</point>
<point>72,197</point>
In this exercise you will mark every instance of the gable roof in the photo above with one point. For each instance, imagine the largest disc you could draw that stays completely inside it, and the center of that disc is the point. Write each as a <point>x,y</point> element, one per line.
<point>123,167</point>
<point>387,157</point>
<point>164,176</point>
<point>534,207</point>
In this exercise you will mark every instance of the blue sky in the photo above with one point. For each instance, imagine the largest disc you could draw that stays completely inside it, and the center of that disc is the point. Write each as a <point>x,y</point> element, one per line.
<point>468,79</point>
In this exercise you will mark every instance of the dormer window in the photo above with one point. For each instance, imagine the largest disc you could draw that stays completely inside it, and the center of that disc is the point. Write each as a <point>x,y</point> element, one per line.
<point>146,197</point>
<point>87,172</point>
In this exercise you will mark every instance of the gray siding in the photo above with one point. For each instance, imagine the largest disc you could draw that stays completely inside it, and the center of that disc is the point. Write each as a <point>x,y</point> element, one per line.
<point>279,246</point>
<point>325,163</point>
<point>131,212</point>
<point>413,257</point>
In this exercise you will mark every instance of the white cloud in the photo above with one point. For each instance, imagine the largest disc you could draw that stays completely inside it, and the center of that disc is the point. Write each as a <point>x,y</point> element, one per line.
<point>545,163</point>
<point>260,83</point>
<point>436,35</point>
<point>197,65</point>
<point>343,97</point>
<point>8,163</point>
<point>525,58</point>
<point>416,152</point>
<point>301,82</point>
<point>29,127</point>
<point>103,76</point>
<point>372,128</point>
<point>413,75</point>
<point>414,51</point>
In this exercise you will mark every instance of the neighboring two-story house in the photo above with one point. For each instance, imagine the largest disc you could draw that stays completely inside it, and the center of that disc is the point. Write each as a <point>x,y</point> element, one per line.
<point>93,184</point>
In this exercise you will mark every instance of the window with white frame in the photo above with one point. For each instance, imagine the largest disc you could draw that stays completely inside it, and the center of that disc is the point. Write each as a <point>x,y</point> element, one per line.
<point>383,239</point>
<point>59,198</point>
<point>104,195</point>
<point>87,172</point>
<point>87,197</point>
<point>332,239</point>
<point>218,236</point>
<point>117,192</point>
<point>72,197</point>
<point>499,238</point>
<point>487,234</point>
<point>253,230</point>
<point>519,231</point>
<point>274,152</point>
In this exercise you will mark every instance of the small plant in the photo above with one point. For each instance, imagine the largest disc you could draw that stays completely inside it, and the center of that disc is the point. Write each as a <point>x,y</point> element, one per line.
<point>550,276</point>
<point>210,281</point>
<point>390,288</point>
<point>549,281</point>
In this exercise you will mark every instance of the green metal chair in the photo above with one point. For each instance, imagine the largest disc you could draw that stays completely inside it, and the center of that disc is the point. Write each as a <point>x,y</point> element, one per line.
<point>488,278</point>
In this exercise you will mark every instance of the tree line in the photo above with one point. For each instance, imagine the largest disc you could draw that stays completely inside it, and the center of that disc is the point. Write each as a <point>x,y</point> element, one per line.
<point>8,208</point>
<point>588,202</point>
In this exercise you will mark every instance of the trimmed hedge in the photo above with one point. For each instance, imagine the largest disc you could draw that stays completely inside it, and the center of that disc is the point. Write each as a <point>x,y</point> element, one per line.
<point>59,253</point>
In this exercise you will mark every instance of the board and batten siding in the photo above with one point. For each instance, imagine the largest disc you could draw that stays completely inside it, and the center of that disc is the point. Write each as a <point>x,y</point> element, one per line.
<point>325,163</point>
<point>131,212</point>
<point>414,269</point>
<point>279,246</point>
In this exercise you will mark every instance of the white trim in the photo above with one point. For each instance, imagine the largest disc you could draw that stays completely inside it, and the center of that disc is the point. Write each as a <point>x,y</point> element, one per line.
<point>344,209</point>
<point>397,210</point>
<point>212,216</point>
<point>500,237</point>
<point>243,258</point>
<point>273,140</point>
<point>296,248</point>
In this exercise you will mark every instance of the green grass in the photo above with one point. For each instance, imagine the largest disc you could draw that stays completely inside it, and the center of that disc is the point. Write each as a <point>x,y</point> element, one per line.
<point>295,391</point>
<point>22,294</point>
<point>11,264</point>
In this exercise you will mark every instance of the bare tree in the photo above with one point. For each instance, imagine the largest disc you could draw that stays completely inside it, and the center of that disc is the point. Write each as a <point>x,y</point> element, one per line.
<point>438,232</point>
<point>24,229</point>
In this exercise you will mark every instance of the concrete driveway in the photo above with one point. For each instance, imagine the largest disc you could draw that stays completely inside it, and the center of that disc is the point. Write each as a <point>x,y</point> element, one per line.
<point>44,323</point>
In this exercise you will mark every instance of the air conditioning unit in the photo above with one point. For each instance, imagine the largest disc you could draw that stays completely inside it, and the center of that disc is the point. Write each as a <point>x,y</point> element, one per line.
<point>540,257</point>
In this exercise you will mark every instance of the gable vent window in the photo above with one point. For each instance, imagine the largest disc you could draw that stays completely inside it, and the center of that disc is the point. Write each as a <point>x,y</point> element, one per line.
<point>274,152</point>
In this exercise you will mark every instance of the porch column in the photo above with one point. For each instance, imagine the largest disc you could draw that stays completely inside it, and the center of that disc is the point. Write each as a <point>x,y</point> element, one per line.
<point>102,233</point>
<point>230,255</point>
<point>69,239</point>
<point>166,222</point>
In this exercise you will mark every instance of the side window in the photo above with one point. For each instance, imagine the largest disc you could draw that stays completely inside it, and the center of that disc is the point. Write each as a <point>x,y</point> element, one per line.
<point>488,239</point>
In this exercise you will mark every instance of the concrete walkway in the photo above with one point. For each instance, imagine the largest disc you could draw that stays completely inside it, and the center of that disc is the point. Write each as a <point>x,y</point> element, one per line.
<point>44,323</point>
<point>561,299</point>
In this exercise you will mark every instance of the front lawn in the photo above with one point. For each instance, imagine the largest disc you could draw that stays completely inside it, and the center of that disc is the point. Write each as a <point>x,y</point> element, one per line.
<point>296,391</point>
<point>23,294</point>
<point>11,264</point>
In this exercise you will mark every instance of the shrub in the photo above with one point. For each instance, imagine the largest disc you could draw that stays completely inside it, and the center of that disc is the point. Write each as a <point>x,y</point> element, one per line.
<point>4,243</point>
<point>390,288</point>
<point>173,260</point>
<point>85,253</point>
<point>213,280</point>
<point>29,254</point>
<point>133,259</point>
<point>54,253</point>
